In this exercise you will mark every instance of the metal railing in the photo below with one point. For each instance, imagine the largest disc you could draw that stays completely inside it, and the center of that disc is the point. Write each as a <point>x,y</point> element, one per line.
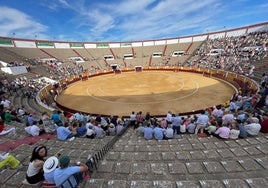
<point>104,150</point>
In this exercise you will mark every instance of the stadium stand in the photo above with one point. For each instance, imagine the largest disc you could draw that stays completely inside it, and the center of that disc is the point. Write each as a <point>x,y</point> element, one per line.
<point>127,159</point>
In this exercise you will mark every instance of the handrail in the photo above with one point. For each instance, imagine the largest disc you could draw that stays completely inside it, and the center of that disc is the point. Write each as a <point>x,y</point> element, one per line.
<point>107,147</point>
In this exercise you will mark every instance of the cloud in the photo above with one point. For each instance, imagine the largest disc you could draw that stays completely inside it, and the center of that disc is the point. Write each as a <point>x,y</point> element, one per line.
<point>125,20</point>
<point>19,23</point>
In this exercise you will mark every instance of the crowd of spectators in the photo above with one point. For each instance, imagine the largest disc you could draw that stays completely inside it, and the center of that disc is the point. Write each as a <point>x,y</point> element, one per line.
<point>234,54</point>
<point>243,116</point>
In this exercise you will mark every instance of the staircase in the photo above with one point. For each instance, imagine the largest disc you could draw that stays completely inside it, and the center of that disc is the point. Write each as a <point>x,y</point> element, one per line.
<point>187,162</point>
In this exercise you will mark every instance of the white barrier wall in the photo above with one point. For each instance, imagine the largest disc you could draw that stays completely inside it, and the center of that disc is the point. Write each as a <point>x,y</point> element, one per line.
<point>15,70</point>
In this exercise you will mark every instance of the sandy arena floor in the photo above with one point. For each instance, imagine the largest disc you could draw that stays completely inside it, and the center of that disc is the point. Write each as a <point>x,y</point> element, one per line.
<point>155,92</point>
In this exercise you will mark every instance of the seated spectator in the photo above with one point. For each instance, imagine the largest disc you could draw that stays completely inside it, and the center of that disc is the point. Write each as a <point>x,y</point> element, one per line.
<point>211,129</point>
<point>7,160</point>
<point>264,124</point>
<point>49,168</point>
<point>242,131</point>
<point>56,117</point>
<point>253,128</point>
<point>5,102</point>
<point>119,127</point>
<point>35,171</point>
<point>169,132</point>
<point>140,130</point>
<point>234,132</point>
<point>48,124</point>
<point>73,126</point>
<point>163,123</point>
<point>30,119</point>
<point>243,116</point>
<point>33,129</point>
<point>148,132</point>
<point>111,130</point>
<point>100,133</point>
<point>21,111</point>
<point>81,130</point>
<point>90,132</point>
<point>4,131</point>
<point>63,133</point>
<point>8,117</point>
<point>222,132</point>
<point>64,171</point>
<point>191,127</point>
<point>228,118</point>
<point>158,133</point>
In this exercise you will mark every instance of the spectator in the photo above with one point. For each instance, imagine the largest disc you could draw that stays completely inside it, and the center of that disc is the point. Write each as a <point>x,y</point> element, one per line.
<point>202,122</point>
<point>264,124</point>
<point>90,132</point>
<point>49,168</point>
<point>7,160</point>
<point>234,132</point>
<point>158,133</point>
<point>148,132</point>
<point>63,133</point>
<point>35,171</point>
<point>120,126</point>
<point>64,171</point>
<point>191,127</point>
<point>163,123</point>
<point>30,119</point>
<point>139,119</point>
<point>169,117</point>
<point>176,122</point>
<point>140,130</point>
<point>56,117</point>
<point>242,131</point>
<point>33,129</point>
<point>169,132</point>
<point>111,130</point>
<point>4,131</point>
<point>49,125</point>
<point>81,130</point>
<point>132,119</point>
<point>253,128</point>
<point>100,133</point>
<point>8,117</point>
<point>222,132</point>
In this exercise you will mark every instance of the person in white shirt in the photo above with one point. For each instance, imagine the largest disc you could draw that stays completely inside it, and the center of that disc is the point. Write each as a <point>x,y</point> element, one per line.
<point>6,103</point>
<point>234,133</point>
<point>132,119</point>
<point>253,128</point>
<point>169,117</point>
<point>169,132</point>
<point>33,129</point>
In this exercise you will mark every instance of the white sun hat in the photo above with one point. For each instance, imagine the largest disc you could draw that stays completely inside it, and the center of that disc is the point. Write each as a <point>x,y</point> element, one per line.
<point>50,164</point>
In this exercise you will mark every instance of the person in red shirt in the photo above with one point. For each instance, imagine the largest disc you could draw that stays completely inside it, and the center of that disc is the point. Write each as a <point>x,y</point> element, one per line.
<point>4,131</point>
<point>264,124</point>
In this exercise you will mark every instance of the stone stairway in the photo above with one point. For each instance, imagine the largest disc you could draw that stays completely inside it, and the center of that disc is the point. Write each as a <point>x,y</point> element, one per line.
<point>187,162</point>
<point>134,162</point>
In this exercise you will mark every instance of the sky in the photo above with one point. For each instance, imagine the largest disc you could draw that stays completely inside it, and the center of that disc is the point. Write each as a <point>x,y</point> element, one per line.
<point>124,20</point>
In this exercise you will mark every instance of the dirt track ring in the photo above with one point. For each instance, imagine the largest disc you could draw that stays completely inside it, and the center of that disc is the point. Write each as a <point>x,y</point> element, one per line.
<point>151,91</point>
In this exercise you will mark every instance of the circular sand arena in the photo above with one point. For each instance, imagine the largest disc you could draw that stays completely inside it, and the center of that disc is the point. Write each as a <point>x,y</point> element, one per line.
<point>150,91</point>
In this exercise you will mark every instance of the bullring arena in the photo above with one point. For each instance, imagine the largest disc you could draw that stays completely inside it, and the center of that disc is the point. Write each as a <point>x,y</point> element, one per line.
<point>185,83</point>
<point>156,92</point>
